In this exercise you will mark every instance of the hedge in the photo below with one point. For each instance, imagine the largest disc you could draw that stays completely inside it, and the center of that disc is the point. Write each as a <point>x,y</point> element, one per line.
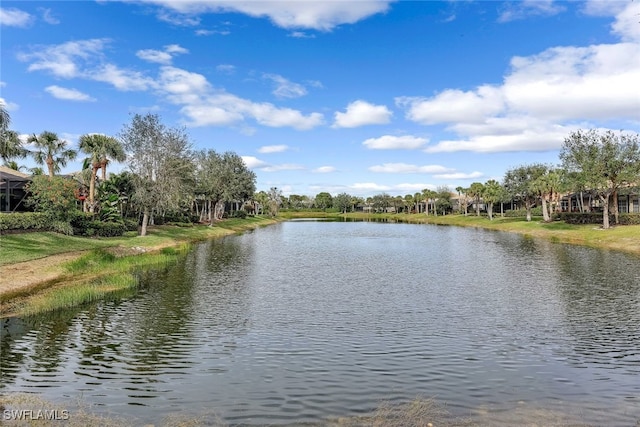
<point>596,218</point>
<point>24,221</point>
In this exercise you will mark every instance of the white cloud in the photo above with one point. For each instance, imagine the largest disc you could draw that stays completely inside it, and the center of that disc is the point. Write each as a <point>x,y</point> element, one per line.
<point>152,55</point>
<point>48,17</point>
<point>283,167</point>
<point>10,106</point>
<point>454,105</point>
<point>226,68</point>
<point>370,186</point>
<point>161,56</point>
<point>390,142</point>
<point>273,148</point>
<point>301,35</point>
<point>361,113</point>
<point>513,11</point>
<point>12,17</point>
<point>205,107</point>
<point>64,60</point>
<point>253,162</point>
<point>324,169</point>
<point>407,168</point>
<point>285,88</point>
<point>291,15</point>
<point>458,175</point>
<point>543,97</point>
<point>124,80</point>
<point>68,94</point>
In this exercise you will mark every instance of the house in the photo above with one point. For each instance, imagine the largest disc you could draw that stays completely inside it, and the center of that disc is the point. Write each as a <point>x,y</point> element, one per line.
<point>12,192</point>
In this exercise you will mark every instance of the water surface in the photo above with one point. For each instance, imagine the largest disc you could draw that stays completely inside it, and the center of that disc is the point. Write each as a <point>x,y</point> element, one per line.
<point>303,321</point>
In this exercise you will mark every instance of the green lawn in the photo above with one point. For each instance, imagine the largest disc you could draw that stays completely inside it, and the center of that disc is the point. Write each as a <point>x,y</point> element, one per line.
<point>16,248</point>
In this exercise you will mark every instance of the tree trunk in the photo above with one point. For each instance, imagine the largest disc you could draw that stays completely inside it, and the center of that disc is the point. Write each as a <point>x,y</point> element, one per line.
<point>528,205</point>
<point>605,211</point>
<point>545,213</point>
<point>477,206</point>
<point>616,212</point>
<point>145,221</point>
<point>490,211</point>
<point>50,166</point>
<point>92,189</point>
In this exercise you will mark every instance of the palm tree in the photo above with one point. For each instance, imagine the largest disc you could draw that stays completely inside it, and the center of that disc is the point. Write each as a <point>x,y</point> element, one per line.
<point>475,192</point>
<point>100,148</point>
<point>51,151</point>
<point>10,143</point>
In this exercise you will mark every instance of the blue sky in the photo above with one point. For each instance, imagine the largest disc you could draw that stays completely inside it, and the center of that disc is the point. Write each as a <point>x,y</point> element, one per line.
<point>355,96</point>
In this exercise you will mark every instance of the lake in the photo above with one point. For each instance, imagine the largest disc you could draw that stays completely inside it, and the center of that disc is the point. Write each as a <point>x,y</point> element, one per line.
<point>305,321</point>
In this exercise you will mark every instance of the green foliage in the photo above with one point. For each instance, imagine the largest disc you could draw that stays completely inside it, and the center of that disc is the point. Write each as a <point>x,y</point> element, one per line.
<point>596,218</point>
<point>343,202</point>
<point>54,196</point>
<point>107,229</point>
<point>24,221</point>
<point>239,214</point>
<point>324,200</point>
<point>522,213</point>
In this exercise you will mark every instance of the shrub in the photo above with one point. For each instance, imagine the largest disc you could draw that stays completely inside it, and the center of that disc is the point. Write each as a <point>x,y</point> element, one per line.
<point>23,221</point>
<point>107,229</point>
<point>53,195</point>
<point>516,213</point>
<point>596,218</point>
<point>239,214</point>
<point>80,222</point>
<point>130,224</point>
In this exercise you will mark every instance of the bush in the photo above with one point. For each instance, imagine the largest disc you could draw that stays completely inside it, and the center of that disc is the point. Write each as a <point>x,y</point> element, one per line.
<point>130,224</point>
<point>517,213</point>
<point>596,218</point>
<point>24,221</point>
<point>80,222</point>
<point>106,229</point>
<point>239,214</point>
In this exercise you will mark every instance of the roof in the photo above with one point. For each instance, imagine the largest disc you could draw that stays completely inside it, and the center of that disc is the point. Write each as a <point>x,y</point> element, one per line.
<point>16,179</point>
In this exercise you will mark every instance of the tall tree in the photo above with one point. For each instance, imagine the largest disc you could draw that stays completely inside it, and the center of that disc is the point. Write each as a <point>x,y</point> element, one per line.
<point>491,194</point>
<point>342,202</point>
<point>604,162</point>
<point>100,149</point>
<point>463,201</point>
<point>274,197</point>
<point>519,184</point>
<point>160,161</point>
<point>476,191</point>
<point>324,200</point>
<point>10,144</point>
<point>52,151</point>
<point>443,199</point>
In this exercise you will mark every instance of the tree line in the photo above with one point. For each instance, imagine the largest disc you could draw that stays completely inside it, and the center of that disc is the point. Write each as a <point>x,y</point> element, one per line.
<point>164,176</point>
<point>593,164</point>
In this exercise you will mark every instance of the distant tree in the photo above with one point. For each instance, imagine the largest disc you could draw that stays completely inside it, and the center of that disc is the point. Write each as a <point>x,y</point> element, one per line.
<point>342,202</point>
<point>324,200</point>
<point>475,191</point>
<point>549,187</point>
<point>274,200</point>
<point>160,161</point>
<point>427,196</point>
<point>12,164</point>
<point>100,149</point>
<point>54,196</point>
<point>52,151</point>
<point>519,184</point>
<point>603,161</point>
<point>492,193</point>
<point>443,199</point>
<point>463,199</point>
<point>381,202</point>
<point>408,203</point>
<point>355,201</point>
<point>10,144</point>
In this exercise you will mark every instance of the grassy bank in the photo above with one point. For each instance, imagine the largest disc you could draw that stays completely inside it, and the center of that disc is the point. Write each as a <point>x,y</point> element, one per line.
<point>623,238</point>
<point>102,267</point>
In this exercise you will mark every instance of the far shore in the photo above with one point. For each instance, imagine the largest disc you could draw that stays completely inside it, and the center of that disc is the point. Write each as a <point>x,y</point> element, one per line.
<point>32,264</point>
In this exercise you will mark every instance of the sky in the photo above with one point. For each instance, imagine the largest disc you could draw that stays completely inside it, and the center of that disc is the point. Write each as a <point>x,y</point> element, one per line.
<point>362,96</point>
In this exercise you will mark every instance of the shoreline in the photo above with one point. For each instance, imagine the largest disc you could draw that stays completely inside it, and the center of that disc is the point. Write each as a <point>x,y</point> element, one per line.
<point>28,280</point>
